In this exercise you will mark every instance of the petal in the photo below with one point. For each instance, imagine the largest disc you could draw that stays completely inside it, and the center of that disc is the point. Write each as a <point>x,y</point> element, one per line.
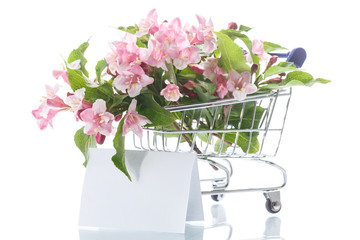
<point>132,107</point>
<point>250,88</point>
<point>87,115</point>
<point>134,90</point>
<point>99,106</point>
<point>239,95</point>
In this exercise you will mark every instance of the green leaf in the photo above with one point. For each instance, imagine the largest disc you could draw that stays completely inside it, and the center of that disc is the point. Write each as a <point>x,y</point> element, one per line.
<point>149,108</point>
<point>218,145</point>
<point>269,47</point>
<point>208,86</point>
<point>204,96</point>
<point>280,68</point>
<point>99,68</point>
<point>84,142</point>
<point>243,28</point>
<point>232,56</point>
<point>77,54</point>
<point>130,29</point>
<point>92,91</point>
<point>243,141</point>
<point>119,145</point>
<point>248,43</point>
<point>295,78</point>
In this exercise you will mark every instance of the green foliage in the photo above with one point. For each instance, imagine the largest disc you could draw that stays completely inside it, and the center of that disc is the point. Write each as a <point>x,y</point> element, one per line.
<point>119,145</point>
<point>280,68</point>
<point>99,68</point>
<point>77,54</point>
<point>158,115</point>
<point>295,78</point>
<point>270,47</point>
<point>84,142</point>
<point>232,56</point>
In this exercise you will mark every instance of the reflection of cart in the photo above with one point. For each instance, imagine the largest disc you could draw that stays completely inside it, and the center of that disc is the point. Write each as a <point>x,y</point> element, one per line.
<point>250,129</point>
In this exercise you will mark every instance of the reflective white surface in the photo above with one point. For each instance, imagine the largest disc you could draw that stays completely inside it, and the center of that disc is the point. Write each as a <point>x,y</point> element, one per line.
<point>41,172</point>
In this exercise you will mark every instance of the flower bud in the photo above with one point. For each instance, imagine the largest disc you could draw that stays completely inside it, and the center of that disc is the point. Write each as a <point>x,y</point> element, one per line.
<point>254,68</point>
<point>118,117</point>
<point>232,25</point>
<point>100,139</point>
<point>272,61</point>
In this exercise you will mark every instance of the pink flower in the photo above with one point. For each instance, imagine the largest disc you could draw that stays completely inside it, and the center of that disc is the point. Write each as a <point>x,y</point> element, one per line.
<point>221,89</point>
<point>134,121</point>
<point>77,103</point>
<point>187,56</point>
<point>46,112</point>
<point>132,81</point>
<point>155,55</point>
<point>60,73</point>
<point>206,35</point>
<point>172,38</point>
<point>257,48</point>
<point>192,34</point>
<point>148,25</point>
<point>124,54</point>
<point>211,69</point>
<point>240,84</point>
<point>197,68</point>
<point>97,119</point>
<point>44,115</point>
<point>171,92</point>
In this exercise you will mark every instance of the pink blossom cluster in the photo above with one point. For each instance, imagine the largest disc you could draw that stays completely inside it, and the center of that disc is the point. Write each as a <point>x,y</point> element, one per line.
<point>170,44</point>
<point>97,120</point>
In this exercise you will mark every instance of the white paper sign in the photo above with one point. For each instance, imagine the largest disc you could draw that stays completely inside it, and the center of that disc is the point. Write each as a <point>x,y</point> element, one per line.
<point>163,194</point>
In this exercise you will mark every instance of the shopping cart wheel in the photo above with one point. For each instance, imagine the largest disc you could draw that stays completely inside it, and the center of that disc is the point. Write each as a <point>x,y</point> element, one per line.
<point>273,207</point>
<point>217,198</point>
<point>273,202</point>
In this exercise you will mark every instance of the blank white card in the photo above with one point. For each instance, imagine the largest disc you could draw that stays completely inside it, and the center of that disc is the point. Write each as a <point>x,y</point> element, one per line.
<point>163,195</point>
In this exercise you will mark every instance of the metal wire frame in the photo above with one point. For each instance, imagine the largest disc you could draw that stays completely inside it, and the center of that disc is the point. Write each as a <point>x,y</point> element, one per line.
<point>163,139</point>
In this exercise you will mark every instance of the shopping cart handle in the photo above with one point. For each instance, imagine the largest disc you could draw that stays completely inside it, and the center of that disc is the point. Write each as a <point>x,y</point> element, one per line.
<point>296,56</point>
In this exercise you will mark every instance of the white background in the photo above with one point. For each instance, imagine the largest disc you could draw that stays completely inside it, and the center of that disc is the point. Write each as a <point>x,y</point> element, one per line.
<point>41,172</point>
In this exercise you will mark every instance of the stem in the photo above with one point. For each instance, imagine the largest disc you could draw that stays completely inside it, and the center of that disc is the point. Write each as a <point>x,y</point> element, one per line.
<point>197,150</point>
<point>171,73</point>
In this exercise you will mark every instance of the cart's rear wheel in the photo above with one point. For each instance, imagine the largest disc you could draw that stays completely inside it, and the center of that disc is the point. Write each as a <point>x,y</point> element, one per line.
<point>273,206</point>
<point>217,198</point>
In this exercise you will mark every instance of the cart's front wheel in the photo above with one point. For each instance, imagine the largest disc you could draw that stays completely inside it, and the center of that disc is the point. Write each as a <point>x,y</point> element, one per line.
<point>217,198</point>
<point>273,206</point>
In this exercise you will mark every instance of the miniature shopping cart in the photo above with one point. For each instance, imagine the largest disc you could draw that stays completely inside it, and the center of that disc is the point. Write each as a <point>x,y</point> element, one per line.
<point>250,129</point>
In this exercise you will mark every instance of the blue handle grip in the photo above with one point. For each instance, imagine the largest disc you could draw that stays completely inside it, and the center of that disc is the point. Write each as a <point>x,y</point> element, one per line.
<point>296,56</point>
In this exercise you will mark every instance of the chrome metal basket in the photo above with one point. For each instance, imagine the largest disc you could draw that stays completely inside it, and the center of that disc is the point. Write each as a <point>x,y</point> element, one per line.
<point>251,128</point>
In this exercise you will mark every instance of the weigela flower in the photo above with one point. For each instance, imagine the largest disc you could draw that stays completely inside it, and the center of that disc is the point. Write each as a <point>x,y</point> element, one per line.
<point>206,35</point>
<point>240,84</point>
<point>172,37</point>
<point>97,119</point>
<point>187,56</point>
<point>211,69</point>
<point>77,102</point>
<point>148,25</point>
<point>134,121</point>
<point>132,81</point>
<point>124,54</point>
<point>171,92</point>
<point>44,115</point>
<point>155,55</point>
<point>257,47</point>
<point>221,88</point>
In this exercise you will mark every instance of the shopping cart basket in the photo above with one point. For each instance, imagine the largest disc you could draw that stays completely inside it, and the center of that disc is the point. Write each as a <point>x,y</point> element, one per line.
<point>250,129</point>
